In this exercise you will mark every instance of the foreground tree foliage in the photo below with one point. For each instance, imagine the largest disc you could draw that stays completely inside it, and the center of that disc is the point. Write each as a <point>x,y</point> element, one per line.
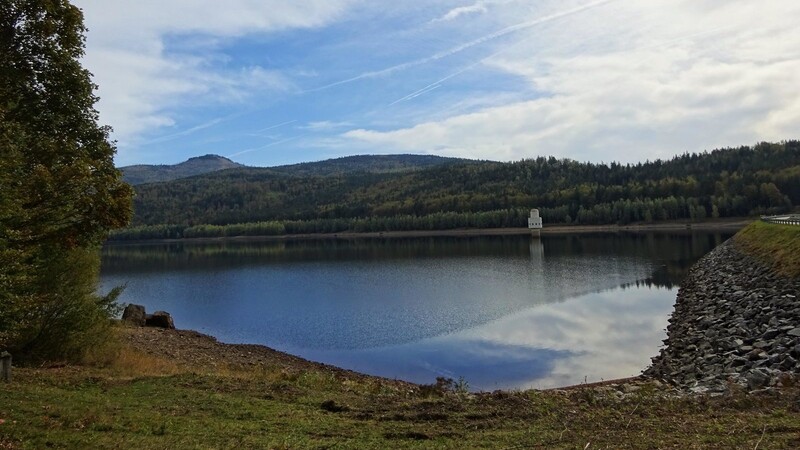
<point>60,193</point>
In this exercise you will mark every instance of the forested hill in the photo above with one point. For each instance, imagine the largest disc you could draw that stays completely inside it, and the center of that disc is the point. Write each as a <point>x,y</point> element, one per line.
<point>727,182</point>
<point>144,173</point>
<point>366,163</point>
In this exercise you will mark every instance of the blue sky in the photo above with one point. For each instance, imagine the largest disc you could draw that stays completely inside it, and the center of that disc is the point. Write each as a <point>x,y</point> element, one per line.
<point>274,82</point>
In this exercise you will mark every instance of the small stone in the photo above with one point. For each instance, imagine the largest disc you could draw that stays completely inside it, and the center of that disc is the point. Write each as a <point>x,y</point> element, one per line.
<point>761,345</point>
<point>771,333</point>
<point>788,363</point>
<point>629,388</point>
<point>763,391</point>
<point>794,332</point>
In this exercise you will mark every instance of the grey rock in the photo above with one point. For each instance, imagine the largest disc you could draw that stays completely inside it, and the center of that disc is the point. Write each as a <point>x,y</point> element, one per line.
<point>757,379</point>
<point>738,361</point>
<point>762,345</point>
<point>788,363</point>
<point>134,314</point>
<point>160,319</point>
<point>770,334</point>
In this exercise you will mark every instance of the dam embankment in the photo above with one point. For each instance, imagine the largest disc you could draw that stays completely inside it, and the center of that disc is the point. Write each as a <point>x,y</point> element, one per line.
<point>736,322</point>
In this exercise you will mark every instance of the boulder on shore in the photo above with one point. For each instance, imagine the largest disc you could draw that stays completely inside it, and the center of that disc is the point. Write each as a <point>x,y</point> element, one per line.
<point>160,319</point>
<point>135,314</point>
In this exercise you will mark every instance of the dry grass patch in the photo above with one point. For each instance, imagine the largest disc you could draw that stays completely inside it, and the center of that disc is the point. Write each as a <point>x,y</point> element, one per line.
<point>132,363</point>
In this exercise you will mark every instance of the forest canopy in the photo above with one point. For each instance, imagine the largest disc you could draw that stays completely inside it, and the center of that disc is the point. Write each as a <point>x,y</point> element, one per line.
<point>730,182</point>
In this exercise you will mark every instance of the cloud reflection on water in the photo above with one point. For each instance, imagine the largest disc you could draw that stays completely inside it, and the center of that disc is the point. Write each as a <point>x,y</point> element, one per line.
<point>593,337</point>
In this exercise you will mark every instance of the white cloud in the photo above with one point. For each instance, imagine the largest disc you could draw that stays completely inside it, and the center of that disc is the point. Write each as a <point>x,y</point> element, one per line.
<point>630,81</point>
<point>325,125</point>
<point>141,81</point>
<point>455,13</point>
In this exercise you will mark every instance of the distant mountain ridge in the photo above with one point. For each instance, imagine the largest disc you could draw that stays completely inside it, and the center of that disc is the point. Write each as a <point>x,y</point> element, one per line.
<point>142,174</point>
<point>145,173</point>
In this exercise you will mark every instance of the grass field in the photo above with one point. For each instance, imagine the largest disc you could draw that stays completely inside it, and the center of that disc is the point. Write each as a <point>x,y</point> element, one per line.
<point>777,245</point>
<point>114,407</point>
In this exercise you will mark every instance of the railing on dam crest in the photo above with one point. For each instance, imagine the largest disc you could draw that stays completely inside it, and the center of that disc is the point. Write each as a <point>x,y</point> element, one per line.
<point>786,219</point>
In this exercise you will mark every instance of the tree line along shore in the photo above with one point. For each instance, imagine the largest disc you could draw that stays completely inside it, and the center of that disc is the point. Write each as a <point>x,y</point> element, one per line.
<point>366,196</point>
<point>171,234</point>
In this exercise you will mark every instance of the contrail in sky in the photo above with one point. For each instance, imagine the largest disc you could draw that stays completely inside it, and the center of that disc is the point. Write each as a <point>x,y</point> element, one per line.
<point>276,126</point>
<point>464,46</point>
<point>188,131</point>
<point>271,144</point>
<point>437,84</point>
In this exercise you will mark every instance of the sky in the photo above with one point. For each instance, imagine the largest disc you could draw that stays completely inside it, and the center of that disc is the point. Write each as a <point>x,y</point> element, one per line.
<point>271,82</point>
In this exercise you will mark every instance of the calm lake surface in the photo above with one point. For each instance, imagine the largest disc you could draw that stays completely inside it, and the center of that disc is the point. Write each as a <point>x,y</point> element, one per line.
<point>501,312</point>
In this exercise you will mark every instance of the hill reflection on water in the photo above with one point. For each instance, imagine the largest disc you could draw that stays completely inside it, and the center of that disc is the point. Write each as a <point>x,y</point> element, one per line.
<point>677,251</point>
<point>501,311</point>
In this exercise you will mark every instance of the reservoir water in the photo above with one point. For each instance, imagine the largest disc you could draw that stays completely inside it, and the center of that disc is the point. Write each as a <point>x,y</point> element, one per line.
<point>498,311</point>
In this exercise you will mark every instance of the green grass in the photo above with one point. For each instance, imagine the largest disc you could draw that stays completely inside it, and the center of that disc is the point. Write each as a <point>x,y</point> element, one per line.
<point>80,407</point>
<point>776,245</point>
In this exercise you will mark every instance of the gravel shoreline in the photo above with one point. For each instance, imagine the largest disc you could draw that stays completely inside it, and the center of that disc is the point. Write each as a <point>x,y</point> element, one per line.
<point>203,352</point>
